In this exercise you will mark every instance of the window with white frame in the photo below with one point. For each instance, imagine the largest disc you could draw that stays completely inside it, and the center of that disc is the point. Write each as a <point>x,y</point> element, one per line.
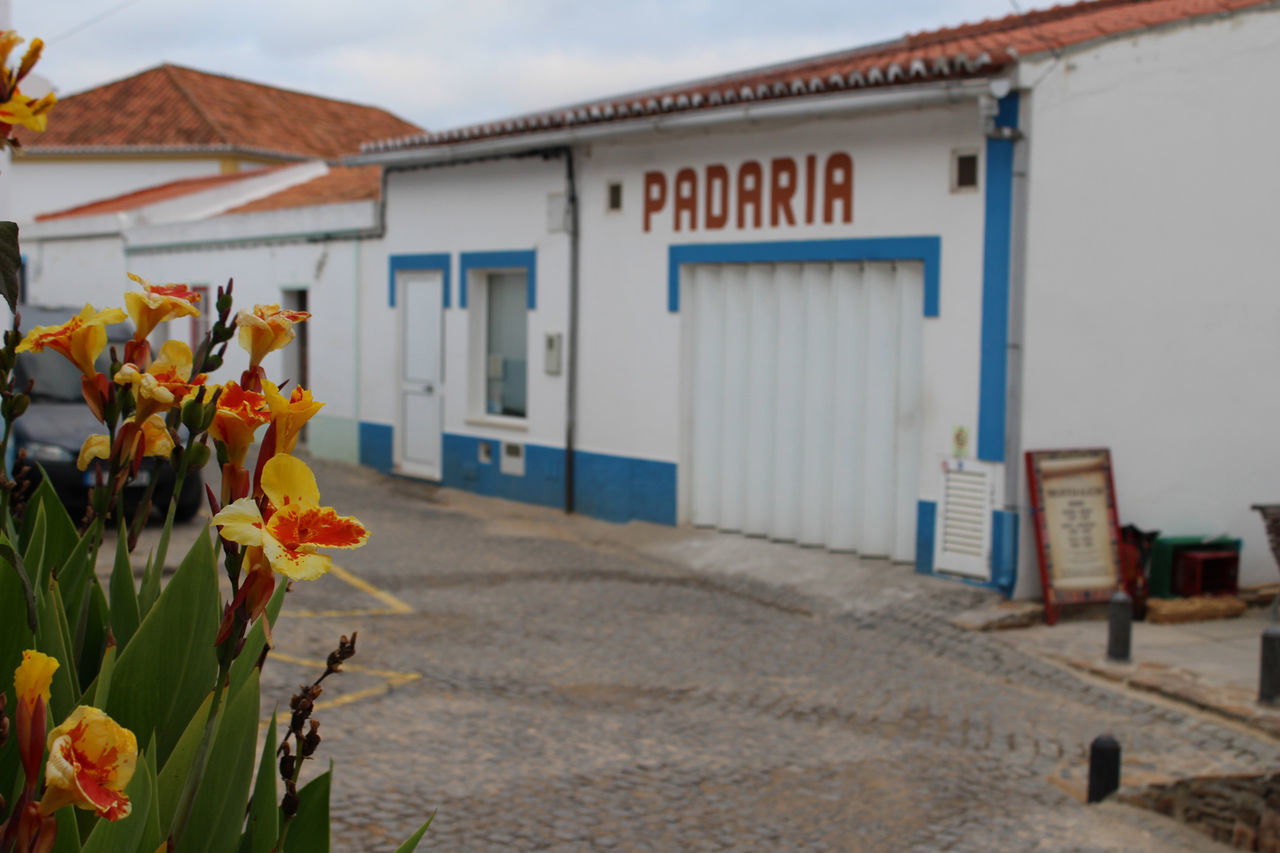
<point>503,323</point>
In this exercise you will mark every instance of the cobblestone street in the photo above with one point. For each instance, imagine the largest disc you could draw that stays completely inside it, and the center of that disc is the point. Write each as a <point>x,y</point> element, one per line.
<point>554,689</point>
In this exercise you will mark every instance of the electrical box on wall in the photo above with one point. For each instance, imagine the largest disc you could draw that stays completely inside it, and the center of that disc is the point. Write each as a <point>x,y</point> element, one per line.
<point>512,459</point>
<point>553,350</point>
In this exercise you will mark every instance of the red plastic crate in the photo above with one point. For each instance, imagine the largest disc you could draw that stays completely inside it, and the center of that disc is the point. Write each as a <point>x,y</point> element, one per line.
<point>1206,573</point>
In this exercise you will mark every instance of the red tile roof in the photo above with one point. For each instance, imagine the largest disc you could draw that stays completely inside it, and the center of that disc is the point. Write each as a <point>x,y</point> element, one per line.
<point>171,108</point>
<point>342,184</point>
<point>954,53</point>
<point>151,195</point>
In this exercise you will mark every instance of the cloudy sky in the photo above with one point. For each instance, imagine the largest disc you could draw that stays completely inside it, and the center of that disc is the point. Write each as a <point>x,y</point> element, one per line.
<point>444,63</point>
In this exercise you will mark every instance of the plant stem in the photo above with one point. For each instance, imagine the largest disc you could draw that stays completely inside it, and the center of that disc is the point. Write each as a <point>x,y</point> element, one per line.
<point>151,583</point>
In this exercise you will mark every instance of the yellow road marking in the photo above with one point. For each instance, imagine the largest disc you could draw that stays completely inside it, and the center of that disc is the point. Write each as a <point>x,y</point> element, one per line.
<point>393,679</point>
<point>394,605</point>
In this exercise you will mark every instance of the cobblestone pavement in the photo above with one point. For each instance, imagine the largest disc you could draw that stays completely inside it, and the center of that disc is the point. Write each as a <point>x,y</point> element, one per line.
<point>551,693</point>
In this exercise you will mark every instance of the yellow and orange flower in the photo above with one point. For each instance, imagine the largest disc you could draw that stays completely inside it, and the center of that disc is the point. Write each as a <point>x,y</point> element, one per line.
<point>289,414</point>
<point>265,329</point>
<point>237,418</point>
<point>91,760</point>
<point>81,339</point>
<point>31,682</point>
<point>166,382</point>
<point>291,535</point>
<point>15,107</point>
<point>155,440</point>
<point>158,303</point>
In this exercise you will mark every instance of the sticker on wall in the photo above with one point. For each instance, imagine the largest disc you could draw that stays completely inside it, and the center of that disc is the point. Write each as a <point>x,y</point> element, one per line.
<point>959,442</point>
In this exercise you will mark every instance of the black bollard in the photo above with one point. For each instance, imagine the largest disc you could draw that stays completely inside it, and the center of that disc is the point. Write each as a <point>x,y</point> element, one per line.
<point>1269,677</point>
<point>1104,767</point>
<point>1119,627</point>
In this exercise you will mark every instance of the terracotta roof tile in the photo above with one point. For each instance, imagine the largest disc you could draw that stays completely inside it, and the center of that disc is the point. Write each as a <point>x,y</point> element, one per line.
<point>342,184</point>
<point>151,195</point>
<point>953,53</point>
<point>172,107</point>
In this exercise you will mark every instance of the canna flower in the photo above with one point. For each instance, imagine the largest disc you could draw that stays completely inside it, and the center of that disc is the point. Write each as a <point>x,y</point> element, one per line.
<point>15,107</point>
<point>158,303</point>
<point>155,440</point>
<point>291,535</point>
<point>165,384</point>
<point>265,329</point>
<point>238,416</point>
<point>81,339</point>
<point>31,683</point>
<point>91,760</point>
<point>289,414</point>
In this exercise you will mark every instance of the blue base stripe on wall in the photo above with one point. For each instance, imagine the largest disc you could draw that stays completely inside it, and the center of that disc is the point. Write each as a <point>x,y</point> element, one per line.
<point>926,523</point>
<point>375,446</point>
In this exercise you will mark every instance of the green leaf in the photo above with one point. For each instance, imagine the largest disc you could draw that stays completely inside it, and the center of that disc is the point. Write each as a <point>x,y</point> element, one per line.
<point>174,772</point>
<point>54,639</point>
<point>411,843</point>
<point>264,810</point>
<point>125,836</point>
<point>170,666</point>
<point>92,634</point>
<point>68,831</point>
<point>152,836</point>
<point>256,640</point>
<point>59,537</point>
<point>309,829</point>
<point>102,687</point>
<point>15,637</point>
<point>149,589</point>
<point>217,813</point>
<point>33,536</point>
<point>75,570</point>
<point>25,592</point>
<point>124,598</point>
<point>10,263</point>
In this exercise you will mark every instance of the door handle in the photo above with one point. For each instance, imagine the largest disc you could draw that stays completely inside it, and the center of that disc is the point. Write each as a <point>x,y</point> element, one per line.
<point>430,388</point>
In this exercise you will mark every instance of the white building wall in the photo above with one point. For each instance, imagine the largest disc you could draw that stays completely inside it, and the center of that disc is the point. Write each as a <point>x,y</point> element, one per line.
<point>630,343</point>
<point>46,185</point>
<point>493,206</point>
<point>73,272</point>
<point>1152,291</point>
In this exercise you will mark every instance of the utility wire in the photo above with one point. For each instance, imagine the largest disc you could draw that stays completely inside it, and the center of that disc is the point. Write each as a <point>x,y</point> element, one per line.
<point>83,25</point>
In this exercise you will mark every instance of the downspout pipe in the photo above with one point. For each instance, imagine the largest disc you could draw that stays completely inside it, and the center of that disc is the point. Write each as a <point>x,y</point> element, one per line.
<point>571,362</point>
<point>1015,346</point>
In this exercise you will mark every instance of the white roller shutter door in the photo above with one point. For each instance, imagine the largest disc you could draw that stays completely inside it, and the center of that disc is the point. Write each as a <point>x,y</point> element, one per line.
<point>803,391</point>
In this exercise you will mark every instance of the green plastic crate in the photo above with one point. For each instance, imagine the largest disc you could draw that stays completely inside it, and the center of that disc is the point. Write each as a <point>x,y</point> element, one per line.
<point>1167,547</point>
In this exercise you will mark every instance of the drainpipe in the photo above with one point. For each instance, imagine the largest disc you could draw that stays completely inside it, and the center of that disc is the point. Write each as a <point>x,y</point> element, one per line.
<point>571,366</point>
<point>1017,309</point>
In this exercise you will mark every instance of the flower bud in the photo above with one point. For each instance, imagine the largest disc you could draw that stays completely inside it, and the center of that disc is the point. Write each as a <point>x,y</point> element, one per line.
<point>197,456</point>
<point>212,362</point>
<point>287,765</point>
<point>14,406</point>
<point>312,739</point>
<point>289,805</point>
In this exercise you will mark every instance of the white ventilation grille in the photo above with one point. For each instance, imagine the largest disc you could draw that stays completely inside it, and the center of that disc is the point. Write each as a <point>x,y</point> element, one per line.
<point>963,537</point>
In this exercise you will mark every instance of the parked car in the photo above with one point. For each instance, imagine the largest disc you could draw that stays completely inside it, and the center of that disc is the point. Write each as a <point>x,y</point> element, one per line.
<point>55,426</point>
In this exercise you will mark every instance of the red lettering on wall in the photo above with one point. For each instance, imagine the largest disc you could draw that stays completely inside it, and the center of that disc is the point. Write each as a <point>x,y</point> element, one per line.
<point>750,184</point>
<point>717,196</point>
<point>686,198</point>
<point>810,196</point>
<point>655,195</point>
<point>838,187</point>
<point>782,188</point>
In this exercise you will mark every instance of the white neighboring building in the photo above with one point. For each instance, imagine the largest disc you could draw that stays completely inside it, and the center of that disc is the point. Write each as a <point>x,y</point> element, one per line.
<point>292,235</point>
<point>783,291</point>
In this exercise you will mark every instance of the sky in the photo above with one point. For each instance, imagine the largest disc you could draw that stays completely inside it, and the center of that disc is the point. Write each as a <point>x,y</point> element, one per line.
<point>447,63</point>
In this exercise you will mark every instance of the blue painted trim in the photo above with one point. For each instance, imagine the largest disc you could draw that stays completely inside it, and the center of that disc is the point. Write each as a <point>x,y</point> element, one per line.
<point>396,263</point>
<point>926,525</point>
<point>622,488</point>
<point>996,241</point>
<point>376,442</point>
<point>925,249</point>
<point>613,488</point>
<point>526,259</point>
<point>1004,550</point>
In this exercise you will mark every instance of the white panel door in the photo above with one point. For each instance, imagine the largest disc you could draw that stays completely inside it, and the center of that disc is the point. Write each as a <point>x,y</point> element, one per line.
<point>804,402</point>
<point>420,295</point>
